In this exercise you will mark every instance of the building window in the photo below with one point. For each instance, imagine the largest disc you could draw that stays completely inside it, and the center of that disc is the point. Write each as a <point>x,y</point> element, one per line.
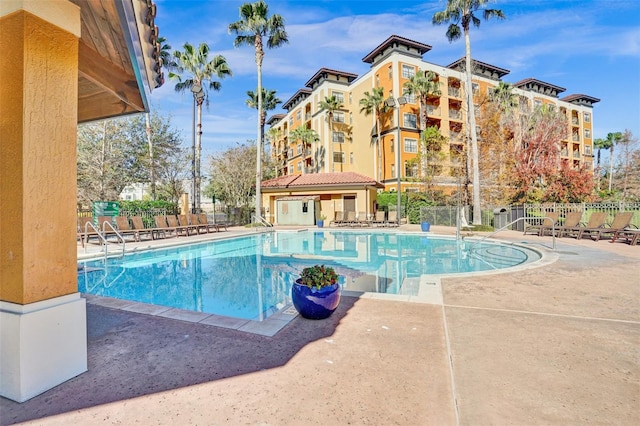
<point>377,80</point>
<point>410,97</point>
<point>291,121</point>
<point>410,145</point>
<point>587,117</point>
<point>299,166</point>
<point>587,134</point>
<point>338,137</point>
<point>339,96</point>
<point>391,145</point>
<point>338,117</point>
<point>351,158</point>
<point>338,157</point>
<point>390,72</point>
<point>475,87</point>
<point>290,153</point>
<point>537,103</point>
<point>393,170</point>
<point>350,118</point>
<point>410,120</point>
<point>410,170</point>
<point>587,149</point>
<point>350,98</point>
<point>291,169</point>
<point>299,149</point>
<point>299,115</point>
<point>408,71</point>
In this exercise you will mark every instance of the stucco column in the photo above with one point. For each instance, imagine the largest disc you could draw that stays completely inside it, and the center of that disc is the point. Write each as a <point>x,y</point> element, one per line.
<point>42,316</point>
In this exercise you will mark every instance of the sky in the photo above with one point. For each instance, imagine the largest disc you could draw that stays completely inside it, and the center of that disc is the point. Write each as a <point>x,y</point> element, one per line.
<point>589,47</point>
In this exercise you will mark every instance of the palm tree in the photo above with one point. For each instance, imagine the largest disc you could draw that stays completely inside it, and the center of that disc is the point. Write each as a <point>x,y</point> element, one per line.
<point>460,15</point>
<point>253,26</point>
<point>275,137</point>
<point>331,104</point>
<point>423,84</point>
<point>373,103</point>
<point>307,136</point>
<point>194,70</point>
<point>612,140</point>
<point>269,103</point>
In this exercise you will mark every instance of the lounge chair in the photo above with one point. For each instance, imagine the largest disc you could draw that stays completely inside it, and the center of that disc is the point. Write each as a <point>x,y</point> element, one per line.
<point>162,223</point>
<point>194,221</point>
<point>379,219</point>
<point>351,219</point>
<point>548,222</point>
<point>124,228</point>
<point>631,236</point>
<point>620,222</point>
<point>393,218</point>
<point>173,222</point>
<point>363,220</point>
<point>572,220</point>
<point>596,220</point>
<point>138,225</point>
<point>204,220</point>
<point>338,219</point>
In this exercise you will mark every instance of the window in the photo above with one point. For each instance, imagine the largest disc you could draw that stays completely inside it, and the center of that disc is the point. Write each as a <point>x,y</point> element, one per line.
<point>338,117</point>
<point>537,103</point>
<point>338,137</point>
<point>350,118</point>
<point>390,72</point>
<point>291,169</point>
<point>475,87</point>
<point>410,97</point>
<point>587,117</point>
<point>391,145</point>
<point>350,98</point>
<point>291,121</point>
<point>410,120</point>
<point>393,170</point>
<point>410,170</point>
<point>339,96</point>
<point>408,71</point>
<point>299,166</point>
<point>338,157</point>
<point>587,134</point>
<point>298,115</point>
<point>377,80</point>
<point>410,145</point>
<point>351,158</point>
<point>299,149</point>
<point>587,149</point>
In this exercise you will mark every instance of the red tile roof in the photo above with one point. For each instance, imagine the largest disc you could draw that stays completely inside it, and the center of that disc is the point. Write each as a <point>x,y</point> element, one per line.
<point>321,179</point>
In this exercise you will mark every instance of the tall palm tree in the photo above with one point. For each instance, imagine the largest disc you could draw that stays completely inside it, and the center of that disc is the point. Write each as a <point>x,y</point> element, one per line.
<point>195,72</point>
<point>460,15</point>
<point>269,103</point>
<point>373,103</point>
<point>331,104</point>
<point>423,84</point>
<point>275,137</point>
<point>254,25</point>
<point>307,136</point>
<point>612,140</point>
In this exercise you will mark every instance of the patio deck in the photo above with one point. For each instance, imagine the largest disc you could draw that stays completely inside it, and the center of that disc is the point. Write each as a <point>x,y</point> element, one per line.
<point>551,345</point>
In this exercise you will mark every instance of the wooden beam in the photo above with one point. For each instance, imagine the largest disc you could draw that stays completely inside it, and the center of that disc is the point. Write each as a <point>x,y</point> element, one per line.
<point>113,79</point>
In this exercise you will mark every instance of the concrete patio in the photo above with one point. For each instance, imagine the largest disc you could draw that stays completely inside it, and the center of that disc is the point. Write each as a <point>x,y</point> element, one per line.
<point>558,344</point>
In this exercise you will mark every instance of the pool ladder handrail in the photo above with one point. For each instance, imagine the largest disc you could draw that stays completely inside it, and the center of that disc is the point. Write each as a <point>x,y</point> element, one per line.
<point>264,222</point>
<point>523,219</point>
<point>102,236</point>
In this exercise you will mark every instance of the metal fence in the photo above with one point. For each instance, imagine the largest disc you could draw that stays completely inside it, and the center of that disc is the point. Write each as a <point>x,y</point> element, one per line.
<point>498,216</point>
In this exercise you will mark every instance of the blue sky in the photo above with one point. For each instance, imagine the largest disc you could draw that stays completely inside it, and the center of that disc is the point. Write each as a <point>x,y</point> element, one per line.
<point>587,47</point>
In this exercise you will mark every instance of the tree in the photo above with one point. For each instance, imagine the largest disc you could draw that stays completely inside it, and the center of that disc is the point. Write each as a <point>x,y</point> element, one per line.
<point>307,136</point>
<point>269,103</point>
<point>275,140</point>
<point>374,103</point>
<point>254,25</point>
<point>195,72</point>
<point>626,170</point>
<point>232,178</point>
<point>612,140</point>
<point>460,15</point>
<point>423,85</point>
<point>331,104</point>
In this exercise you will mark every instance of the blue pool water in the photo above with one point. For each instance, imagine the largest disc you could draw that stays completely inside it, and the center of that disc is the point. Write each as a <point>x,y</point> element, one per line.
<point>250,277</point>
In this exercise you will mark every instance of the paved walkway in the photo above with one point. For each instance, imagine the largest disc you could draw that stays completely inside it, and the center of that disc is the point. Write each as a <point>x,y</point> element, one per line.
<point>558,344</point>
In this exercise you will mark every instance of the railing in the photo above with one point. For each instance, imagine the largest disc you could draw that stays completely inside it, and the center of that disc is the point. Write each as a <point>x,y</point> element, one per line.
<point>521,219</point>
<point>262,221</point>
<point>101,236</point>
<point>106,225</point>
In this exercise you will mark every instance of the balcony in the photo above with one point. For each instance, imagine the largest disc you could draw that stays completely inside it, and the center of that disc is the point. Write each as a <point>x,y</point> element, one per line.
<point>575,121</point>
<point>454,91</point>
<point>576,154</point>
<point>576,138</point>
<point>433,111</point>
<point>455,114</point>
<point>307,116</point>
<point>564,152</point>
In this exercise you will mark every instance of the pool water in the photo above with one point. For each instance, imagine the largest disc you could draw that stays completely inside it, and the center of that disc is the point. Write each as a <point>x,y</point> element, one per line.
<point>250,277</point>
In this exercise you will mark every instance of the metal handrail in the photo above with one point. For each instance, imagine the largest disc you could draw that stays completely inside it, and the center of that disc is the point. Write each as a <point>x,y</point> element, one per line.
<point>115,231</point>
<point>553,229</point>
<point>261,220</point>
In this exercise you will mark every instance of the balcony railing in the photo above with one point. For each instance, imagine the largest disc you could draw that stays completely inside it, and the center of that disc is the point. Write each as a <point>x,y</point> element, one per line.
<point>455,114</point>
<point>433,111</point>
<point>576,154</point>
<point>576,138</point>
<point>564,153</point>
<point>454,91</point>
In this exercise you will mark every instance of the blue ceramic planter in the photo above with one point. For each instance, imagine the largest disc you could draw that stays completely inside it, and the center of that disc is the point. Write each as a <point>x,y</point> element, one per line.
<point>425,226</point>
<point>315,304</point>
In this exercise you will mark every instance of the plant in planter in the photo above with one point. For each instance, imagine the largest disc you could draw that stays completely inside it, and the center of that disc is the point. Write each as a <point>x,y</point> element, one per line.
<point>316,294</point>
<point>321,220</point>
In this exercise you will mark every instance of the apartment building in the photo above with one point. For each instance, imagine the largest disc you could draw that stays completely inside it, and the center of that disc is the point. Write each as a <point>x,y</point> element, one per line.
<point>348,141</point>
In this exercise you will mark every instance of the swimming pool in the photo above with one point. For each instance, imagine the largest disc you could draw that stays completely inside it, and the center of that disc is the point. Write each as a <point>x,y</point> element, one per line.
<point>250,277</point>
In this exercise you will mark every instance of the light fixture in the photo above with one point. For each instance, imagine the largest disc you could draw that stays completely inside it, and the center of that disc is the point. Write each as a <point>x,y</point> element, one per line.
<point>402,100</point>
<point>390,102</point>
<point>196,87</point>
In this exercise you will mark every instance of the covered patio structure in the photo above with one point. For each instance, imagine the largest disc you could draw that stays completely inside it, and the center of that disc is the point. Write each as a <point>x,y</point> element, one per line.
<point>65,62</point>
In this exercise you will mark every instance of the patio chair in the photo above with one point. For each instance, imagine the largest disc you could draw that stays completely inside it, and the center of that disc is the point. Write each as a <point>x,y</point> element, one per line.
<point>631,236</point>
<point>379,219</point>
<point>351,219</point>
<point>167,225</point>
<point>362,219</point>
<point>174,222</point>
<point>338,219</point>
<point>138,225</point>
<point>620,222</point>
<point>596,220</point>
<point>393,218</point>
<point>124,228</point>
<point>194,221</point>
<point>203,219</point>
<point>572,220</point>
<point>548,221</point>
